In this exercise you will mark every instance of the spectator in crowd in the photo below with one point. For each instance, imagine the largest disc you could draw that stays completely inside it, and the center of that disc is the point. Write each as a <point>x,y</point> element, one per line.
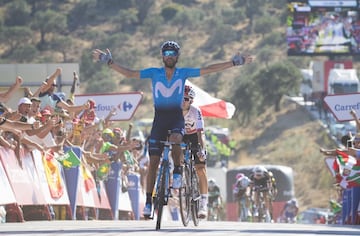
<point>32,138</point>
<point>143,161</point>
<point>14,126</point>
<point>34,112</point>
<point>54,100</point>
<point>88,115</point>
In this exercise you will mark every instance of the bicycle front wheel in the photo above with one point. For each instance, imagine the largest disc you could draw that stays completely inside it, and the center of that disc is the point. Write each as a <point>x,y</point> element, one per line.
<point>184,197</point>
<point>161,193</point>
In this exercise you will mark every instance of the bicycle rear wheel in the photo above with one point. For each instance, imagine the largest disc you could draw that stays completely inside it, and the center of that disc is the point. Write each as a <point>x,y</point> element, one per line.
<point>184,197</point>
<point>195,199</point>
<point>161,194</point>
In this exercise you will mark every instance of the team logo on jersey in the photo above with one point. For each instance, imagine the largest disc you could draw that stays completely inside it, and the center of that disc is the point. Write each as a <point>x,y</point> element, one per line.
<point>167,92</point>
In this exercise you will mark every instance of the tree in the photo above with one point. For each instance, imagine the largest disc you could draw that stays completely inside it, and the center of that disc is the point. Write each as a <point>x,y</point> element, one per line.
<point>265,24</point>
<point>282,78</point>
<point>14,37</point>
<point>169,12</point>
<point>188,19</point>
<point>143,7</point>
<point>213,84</point>
<point>253,8</point>
<point>221,34</point>
<point>126,20</point>
<point>24,54</point>
<point>21,10</point>
<point>151,27</point>
<point>246,99</point>
<point>48,21</point>
<point>62,44</point>
<point>266,54</point>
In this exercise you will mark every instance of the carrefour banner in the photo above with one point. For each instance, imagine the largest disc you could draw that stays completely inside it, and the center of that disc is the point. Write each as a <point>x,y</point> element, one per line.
<point>123,105</point>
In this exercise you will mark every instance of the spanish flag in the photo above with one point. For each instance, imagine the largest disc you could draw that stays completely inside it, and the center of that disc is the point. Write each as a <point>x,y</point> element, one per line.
<point>53,175</point>
<point>89,181</point>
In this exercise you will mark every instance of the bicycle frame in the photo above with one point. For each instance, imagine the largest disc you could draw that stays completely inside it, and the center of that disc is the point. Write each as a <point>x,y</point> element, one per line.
<point>161,192</point>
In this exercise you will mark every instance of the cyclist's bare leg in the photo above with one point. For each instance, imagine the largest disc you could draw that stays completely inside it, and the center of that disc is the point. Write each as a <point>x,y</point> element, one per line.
<point>176,151</point>
<point>152,172</point>
<point>203,181</point>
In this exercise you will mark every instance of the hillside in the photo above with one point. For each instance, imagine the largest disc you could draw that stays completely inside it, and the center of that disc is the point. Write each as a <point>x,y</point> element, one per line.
<point>208,31</point>
<point>291,138</point>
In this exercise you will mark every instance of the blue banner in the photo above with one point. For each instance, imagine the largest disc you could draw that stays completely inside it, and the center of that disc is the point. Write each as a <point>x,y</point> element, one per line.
<point>134,193</point>
<point>72,180</point>
<point>112,185</point>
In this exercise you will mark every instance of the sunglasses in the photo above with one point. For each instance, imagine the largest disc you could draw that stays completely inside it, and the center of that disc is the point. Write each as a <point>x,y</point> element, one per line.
<point>186,99</point>
<point>169,53</point>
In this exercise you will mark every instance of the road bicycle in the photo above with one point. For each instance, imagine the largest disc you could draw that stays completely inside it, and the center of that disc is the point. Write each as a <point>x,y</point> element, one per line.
<point>259,211</point>
<point>162,190</point>
<point>189,194</point>
<point>214,211</point>
<point>243,209</point>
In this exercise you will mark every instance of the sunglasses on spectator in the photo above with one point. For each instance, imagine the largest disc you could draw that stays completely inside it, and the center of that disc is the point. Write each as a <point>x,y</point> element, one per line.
<point>169,53</point>
<point>186,99</point>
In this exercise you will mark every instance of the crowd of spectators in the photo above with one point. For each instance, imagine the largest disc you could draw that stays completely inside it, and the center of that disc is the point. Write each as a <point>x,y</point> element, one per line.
<point>49,121</point>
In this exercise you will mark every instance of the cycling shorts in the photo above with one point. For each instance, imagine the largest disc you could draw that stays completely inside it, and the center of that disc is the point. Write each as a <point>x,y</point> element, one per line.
<point>165,120</point>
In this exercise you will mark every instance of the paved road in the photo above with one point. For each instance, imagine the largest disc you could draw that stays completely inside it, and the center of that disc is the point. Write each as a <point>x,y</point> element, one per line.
<point>175,228</point>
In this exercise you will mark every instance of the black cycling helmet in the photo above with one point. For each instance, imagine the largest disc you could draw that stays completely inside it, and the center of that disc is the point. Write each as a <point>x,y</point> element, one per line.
<point>170,45</point>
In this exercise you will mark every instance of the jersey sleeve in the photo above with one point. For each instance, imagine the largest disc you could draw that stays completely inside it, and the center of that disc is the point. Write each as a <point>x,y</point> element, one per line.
<point>148,73</point>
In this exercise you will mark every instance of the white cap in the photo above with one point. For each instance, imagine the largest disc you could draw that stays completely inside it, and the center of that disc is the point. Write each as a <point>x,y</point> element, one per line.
<point>24,100</point>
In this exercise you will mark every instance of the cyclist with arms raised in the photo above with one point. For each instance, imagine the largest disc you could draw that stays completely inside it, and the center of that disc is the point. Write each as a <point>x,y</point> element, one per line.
<point>194,134</point>
<point>168,84</point>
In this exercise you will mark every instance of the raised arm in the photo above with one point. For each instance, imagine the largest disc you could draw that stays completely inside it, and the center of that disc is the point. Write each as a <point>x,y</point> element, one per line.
<point>5,96</point>
<point>106,57</point>
<point>45,87</point>
<point>237,60</point>
<point>354,115</point>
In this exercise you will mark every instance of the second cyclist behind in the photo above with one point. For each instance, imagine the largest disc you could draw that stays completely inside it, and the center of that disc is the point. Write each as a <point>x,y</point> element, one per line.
<point>194,134</point>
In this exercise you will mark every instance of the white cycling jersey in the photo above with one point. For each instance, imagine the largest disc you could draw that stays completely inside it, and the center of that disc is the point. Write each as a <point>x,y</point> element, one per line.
<point>193,120</point>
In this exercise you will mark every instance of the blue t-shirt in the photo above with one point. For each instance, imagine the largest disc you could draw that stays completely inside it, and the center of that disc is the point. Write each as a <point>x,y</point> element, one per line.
<point>168,94</point>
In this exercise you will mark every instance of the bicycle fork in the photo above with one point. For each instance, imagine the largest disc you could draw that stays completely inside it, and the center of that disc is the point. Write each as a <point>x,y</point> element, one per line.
<point>167,193</point>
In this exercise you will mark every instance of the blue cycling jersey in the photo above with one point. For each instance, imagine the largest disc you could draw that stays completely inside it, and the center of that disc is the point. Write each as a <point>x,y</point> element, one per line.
<point>168,94</point>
